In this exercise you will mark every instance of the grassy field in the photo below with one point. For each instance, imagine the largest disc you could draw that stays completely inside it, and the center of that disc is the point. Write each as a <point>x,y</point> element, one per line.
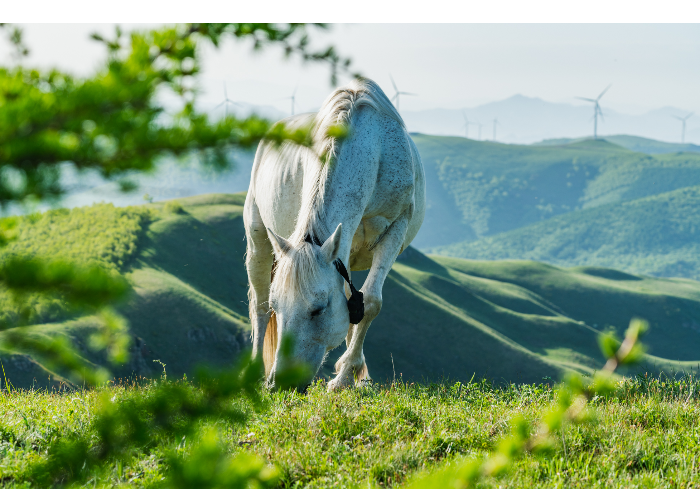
<point>512,321</point>
<point>389,435</point>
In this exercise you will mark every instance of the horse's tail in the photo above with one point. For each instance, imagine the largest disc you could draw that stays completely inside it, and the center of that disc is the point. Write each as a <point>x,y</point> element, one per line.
<point>270,343</point>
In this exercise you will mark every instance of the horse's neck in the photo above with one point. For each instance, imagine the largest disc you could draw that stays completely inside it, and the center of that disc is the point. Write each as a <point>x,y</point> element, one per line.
<point>338,197</point>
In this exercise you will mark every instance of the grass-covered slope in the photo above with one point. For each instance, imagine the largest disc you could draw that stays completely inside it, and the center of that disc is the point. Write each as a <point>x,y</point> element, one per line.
<point>657,235</point>
<point>189,291</point>
<point>482,188</point>
<point>498,187</point>
<point>514,321</point>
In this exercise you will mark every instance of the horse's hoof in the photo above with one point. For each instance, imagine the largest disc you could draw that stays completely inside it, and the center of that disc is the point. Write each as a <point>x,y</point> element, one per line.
<point>339,383</point>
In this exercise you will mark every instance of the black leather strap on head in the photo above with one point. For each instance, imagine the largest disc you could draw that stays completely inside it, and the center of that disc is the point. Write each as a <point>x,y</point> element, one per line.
<point>356,303</point>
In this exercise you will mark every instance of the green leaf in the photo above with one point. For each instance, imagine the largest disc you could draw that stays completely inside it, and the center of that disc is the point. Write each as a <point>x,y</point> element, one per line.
<point>608,344</point>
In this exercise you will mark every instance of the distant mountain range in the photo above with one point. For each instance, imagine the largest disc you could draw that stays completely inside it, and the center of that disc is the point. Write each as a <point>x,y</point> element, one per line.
<point>527,120</point>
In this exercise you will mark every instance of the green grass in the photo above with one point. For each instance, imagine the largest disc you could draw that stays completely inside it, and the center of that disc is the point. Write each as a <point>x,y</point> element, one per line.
<point>512,321</point>
<point>389,435</point>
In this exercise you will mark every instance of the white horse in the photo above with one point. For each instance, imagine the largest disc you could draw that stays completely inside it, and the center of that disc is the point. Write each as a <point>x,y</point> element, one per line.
<point>361,206</point>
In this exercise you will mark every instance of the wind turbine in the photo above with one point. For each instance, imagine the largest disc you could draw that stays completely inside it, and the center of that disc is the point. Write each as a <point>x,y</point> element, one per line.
<point>683,119</point>
<point>396,95</point>
<point>495,123</point>
<point>227,101</point>
<point>466,125</point>
<point>293,99</point>
<point>596,110</point>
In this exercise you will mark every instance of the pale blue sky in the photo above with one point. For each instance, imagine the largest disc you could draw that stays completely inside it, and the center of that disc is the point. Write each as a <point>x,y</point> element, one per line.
<point>447,65</point>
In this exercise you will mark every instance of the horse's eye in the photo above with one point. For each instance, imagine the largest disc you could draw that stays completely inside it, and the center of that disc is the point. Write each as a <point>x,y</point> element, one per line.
<point>317,312</point>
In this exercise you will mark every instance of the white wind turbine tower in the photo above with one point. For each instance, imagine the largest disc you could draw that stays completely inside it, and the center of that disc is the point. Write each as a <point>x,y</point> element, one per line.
<point>495,123</point>
<point>227,101</point>
<point>683,119</point>
<point>596,110</point>
<point>396,95</point>
<point>467,123</point>
<point>293,99</point>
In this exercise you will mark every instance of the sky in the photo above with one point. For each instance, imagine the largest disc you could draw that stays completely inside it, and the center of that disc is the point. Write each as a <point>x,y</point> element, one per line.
<point>447,65</point>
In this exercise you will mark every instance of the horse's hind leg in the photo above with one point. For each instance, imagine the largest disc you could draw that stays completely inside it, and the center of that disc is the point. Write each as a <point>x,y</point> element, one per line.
<point>351,366</point>
<point>259,260</point>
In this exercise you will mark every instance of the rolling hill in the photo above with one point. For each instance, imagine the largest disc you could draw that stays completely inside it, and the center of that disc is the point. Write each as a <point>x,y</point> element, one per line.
<point>442,317</point>
<point>657,235</point>
<point>633,143</point>
<point>478,188</point>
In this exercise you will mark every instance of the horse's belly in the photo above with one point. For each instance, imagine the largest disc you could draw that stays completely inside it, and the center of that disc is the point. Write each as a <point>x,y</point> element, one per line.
<point>368,234</point>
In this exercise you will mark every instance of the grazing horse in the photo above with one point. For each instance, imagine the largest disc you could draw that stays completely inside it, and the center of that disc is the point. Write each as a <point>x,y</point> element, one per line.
<point>311,214</point>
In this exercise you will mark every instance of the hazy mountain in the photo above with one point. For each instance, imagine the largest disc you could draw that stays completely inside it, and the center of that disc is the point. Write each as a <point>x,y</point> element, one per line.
<point>526,120</point>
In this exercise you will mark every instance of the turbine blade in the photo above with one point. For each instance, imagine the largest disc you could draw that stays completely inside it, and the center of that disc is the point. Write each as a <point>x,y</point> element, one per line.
<point>688,116</point>
<point>393,83</point>
<point>603,92</point>
<point>222,103</point>
<point>409,93</point>
<point>225,94</point>
<point>587,99</point>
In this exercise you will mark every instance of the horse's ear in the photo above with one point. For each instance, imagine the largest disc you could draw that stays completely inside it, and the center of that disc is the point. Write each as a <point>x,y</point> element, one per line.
<point>279,244</point>
<point>331,248</point>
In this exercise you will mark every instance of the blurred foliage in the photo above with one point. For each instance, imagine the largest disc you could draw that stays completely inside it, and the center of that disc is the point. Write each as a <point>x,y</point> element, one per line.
<point>539,438</point>
<point>116,123</point>
<point>165,414</point>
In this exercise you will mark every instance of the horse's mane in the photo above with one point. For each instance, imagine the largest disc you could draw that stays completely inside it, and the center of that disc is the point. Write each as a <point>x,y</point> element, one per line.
<point>337,109</point>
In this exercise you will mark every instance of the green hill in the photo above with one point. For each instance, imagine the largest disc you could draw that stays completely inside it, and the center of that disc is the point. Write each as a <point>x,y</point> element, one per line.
<point>514,321</point>
<point>487,188</point>
<point>657,235</point>
<point>633,143</point>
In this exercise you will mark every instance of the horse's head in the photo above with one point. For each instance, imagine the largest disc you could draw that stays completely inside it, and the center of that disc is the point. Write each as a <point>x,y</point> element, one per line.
<point>309,303</point>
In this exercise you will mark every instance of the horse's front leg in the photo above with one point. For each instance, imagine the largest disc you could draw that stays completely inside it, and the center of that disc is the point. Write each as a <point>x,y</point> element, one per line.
<point>259,261</point>
<point>351,366</point>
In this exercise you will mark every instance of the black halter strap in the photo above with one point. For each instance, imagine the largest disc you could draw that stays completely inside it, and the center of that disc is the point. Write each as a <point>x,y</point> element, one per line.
<point>356,303</point>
